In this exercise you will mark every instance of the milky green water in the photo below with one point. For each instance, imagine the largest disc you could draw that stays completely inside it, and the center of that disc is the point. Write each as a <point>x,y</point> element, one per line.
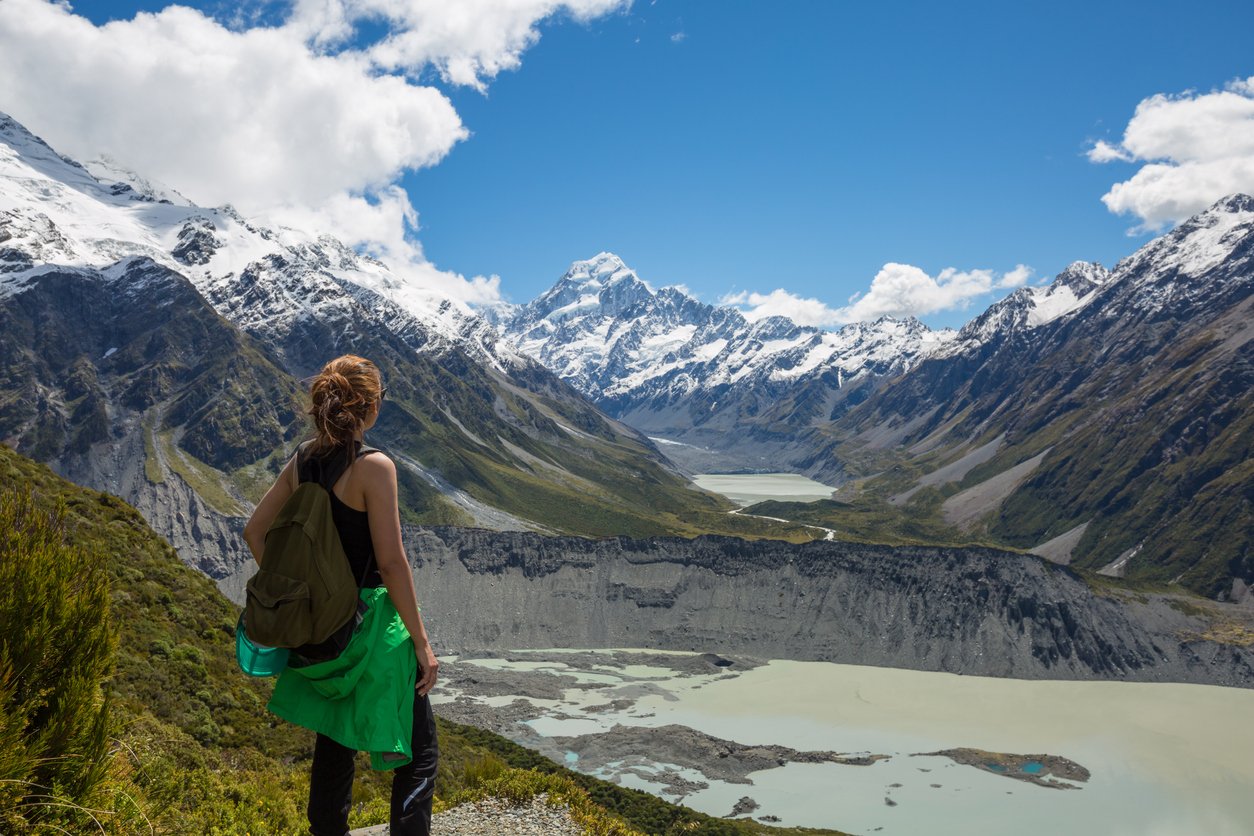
<point>750,488</point>
<point>1165,758</point>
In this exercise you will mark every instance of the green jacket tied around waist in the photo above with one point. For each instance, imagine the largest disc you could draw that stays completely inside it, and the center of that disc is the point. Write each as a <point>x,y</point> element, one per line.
<point>363,698</point>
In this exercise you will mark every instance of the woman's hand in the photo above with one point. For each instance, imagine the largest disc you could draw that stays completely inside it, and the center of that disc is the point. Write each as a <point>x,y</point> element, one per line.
<point>427,667</point>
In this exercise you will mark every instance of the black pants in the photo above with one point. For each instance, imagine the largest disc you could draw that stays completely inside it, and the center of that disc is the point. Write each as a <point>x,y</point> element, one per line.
<point>413,785</point>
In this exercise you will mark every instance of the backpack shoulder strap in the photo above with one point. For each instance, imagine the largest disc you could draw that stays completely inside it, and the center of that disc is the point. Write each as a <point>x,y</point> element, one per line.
<point>307,467</point>
<point>330,470</point>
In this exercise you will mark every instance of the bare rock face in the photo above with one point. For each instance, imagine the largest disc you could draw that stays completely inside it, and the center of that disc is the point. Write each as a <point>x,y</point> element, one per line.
<point>973,611</point>
<point>204,537</point>
<point>196,242</point>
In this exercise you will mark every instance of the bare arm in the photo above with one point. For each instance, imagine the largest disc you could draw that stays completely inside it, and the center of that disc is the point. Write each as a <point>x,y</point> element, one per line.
<point>268,508</point>
<point>385,534</point>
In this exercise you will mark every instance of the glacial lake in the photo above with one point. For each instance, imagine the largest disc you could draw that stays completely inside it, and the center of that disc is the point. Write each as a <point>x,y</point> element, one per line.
<point>1163,758</point>
<point>749,488</point>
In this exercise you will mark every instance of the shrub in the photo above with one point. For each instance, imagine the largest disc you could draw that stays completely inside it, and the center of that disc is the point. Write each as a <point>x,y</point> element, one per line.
<point>55,650</point>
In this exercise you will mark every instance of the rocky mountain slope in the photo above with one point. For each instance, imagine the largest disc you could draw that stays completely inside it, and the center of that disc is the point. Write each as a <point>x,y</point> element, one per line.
<point>1103,418</point>
<point>704,375</point>
<point>1118,435</point>
<point>154,349</point>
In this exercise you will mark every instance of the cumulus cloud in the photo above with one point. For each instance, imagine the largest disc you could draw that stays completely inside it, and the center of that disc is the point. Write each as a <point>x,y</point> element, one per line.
<point>1017,277</point>
<point>898,290</point>
<point>384,226</point>
<point>1195,148</point>
<point>469,42</point>
<point>780,302</point>
<point>253,118</point>
<point>906,290</point>
<point>282,121</point>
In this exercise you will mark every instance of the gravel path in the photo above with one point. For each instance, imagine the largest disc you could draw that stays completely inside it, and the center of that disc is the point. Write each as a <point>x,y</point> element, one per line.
<point>495,817</point>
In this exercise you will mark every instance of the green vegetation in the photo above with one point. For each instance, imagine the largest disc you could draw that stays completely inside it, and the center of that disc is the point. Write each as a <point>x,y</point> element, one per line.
<point>55,650</point>
<point>868,519</point>
<point>1152,447</point>
<point>178,741</point>
<point>601,486</point>
<point>202,478</point>
<point>1232,633</point>
<point>540,454</point>
<point>239,405</point>
<point>152,464</point>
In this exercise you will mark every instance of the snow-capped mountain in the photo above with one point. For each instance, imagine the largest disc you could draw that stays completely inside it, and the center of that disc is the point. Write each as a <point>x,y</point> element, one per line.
<point>1031,307</point>
<point>1106,419</point>
<point>153,348</point>
<point>265,280</point>
<point>618,340</point>
<point>670,364</point>
<point>1166,271</point>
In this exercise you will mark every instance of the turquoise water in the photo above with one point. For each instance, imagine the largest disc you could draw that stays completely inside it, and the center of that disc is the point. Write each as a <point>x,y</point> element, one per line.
<point>1032,767</point>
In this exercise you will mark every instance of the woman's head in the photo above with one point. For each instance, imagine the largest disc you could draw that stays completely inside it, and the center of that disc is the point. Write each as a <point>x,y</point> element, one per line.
<point>344,398</point>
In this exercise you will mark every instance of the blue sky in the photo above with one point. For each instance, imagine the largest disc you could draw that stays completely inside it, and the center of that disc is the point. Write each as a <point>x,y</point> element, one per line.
<point>747,146</point>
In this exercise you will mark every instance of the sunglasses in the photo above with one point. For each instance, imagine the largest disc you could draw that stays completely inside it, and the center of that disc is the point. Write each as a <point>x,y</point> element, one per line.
<point>383,393</point>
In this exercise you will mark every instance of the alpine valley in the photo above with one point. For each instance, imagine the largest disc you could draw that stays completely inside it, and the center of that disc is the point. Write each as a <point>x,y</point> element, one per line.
<point>1104,420</point>
<point>1063,489</point>
<point>156,349</point>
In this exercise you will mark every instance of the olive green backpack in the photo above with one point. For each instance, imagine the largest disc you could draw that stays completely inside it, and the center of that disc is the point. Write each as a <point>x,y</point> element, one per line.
<point>304,591</point>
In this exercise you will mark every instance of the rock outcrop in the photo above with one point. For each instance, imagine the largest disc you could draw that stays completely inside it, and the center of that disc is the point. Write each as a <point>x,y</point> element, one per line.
<point>971,611</point>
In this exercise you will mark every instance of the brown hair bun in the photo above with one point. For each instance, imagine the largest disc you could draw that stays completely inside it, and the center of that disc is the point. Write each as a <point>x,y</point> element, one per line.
<point>341,397</point>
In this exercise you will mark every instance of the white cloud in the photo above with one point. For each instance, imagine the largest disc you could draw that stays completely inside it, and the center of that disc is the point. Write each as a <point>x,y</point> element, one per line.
<point>280,121</point>
<point>898,290</point>
<point>780,302</point>
<point>1103,152</point>
<point>469,41</point>
<point>1196,148</point>
<point>679,37</point>
<point>1017,277</point>
<point>252,118</point>
<point>384,226</point>
<point>905,290</point>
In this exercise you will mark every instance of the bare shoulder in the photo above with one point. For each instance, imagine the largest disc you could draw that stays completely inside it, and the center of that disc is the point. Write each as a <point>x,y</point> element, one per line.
<point>376,464</point>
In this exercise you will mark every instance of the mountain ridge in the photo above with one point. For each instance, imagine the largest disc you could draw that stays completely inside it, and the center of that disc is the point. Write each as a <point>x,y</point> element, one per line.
<point>701,374</point>
<point>1077,418</point>
<point>129,318</point>
<point>1126,417</point>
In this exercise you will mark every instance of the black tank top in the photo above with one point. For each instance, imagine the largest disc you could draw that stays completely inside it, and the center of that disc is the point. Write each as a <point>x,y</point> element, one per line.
<point>353,525</point>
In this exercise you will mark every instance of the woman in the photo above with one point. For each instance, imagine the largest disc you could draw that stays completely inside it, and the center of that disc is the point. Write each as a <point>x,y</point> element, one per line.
<point>362,696</point>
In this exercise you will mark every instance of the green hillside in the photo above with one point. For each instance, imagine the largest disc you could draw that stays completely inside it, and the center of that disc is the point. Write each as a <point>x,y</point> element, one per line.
<point>93,368</point>
<point>123,711</point>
